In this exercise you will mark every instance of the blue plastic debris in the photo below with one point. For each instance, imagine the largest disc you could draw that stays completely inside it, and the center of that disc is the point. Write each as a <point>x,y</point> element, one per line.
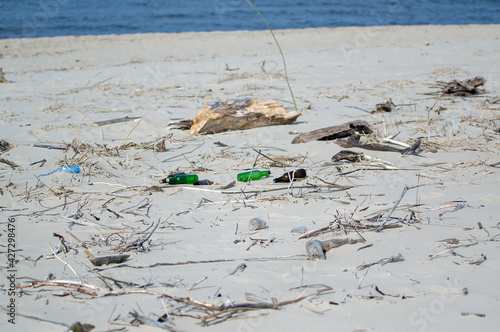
<point>73,169</point>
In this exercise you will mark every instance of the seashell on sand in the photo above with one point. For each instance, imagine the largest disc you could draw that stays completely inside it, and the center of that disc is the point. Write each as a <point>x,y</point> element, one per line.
<point>256,224</point>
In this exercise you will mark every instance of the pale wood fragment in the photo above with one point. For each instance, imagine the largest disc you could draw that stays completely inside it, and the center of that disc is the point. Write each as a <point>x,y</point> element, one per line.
<point>240,114</point>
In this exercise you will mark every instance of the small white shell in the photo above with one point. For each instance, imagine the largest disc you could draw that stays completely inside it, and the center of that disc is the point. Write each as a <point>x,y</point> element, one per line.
<point>256,224</point>
<point>299,230</point>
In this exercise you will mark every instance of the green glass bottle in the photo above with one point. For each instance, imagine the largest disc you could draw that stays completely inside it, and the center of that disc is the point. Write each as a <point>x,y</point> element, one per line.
<point>183,179</point>
<point>254,175</point>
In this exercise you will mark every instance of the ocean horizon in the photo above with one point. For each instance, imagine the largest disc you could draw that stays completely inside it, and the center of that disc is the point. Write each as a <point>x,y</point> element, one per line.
<point>50,18</point>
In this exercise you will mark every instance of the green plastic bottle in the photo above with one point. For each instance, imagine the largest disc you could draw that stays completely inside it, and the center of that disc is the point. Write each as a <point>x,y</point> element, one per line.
<point>183,179</point>
<point>254,175</point>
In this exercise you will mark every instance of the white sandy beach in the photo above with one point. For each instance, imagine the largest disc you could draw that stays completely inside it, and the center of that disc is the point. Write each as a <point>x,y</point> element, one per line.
<point>59,86</point>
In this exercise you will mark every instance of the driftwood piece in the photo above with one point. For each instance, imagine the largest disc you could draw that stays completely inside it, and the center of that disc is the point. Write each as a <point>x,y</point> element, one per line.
<point>384,107</point>
<point>334,132</point>
<point>79,327</point>
<point>107,122</point>
<point>181,124</point>
<point>2,77</point>
<point>353,142</point>
<point>5,146</point>
<point>316,249</point>
<point>106,260</point>
<point>240,114</point>
<point>383,261</point>
<point>8,162</point>
<point>347,155</point>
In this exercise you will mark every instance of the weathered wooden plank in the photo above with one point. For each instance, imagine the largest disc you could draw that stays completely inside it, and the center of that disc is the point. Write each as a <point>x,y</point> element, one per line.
<point>334,132</point>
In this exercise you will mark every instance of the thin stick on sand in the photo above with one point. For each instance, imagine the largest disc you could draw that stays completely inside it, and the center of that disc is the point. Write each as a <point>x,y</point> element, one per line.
<point>65,263</point>
<point>138,122</point>
<point>281,52</point>
<point>406,188</point>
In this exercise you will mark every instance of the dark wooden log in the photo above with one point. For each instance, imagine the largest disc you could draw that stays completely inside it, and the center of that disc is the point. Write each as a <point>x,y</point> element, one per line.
<point>334,132</point>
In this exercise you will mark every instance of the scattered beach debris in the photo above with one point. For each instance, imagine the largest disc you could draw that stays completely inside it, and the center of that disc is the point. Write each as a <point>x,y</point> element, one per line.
<point>72,169</point>
<point>116,208</point>
<point>317,249</point>
<point>457,88</point>
<point>239,114</point>
<point>291,176</point>
<point>256,224</point>
<point>334,132</point>
<point>112,121</point>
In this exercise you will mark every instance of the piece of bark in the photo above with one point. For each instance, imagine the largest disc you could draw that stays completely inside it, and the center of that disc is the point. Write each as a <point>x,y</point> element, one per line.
<point>334,132</point>
<point>107,122</point>
<point>240,114</point>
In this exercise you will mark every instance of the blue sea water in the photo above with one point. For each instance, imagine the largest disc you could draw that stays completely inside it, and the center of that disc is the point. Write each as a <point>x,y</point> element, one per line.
<point>48,18</point>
